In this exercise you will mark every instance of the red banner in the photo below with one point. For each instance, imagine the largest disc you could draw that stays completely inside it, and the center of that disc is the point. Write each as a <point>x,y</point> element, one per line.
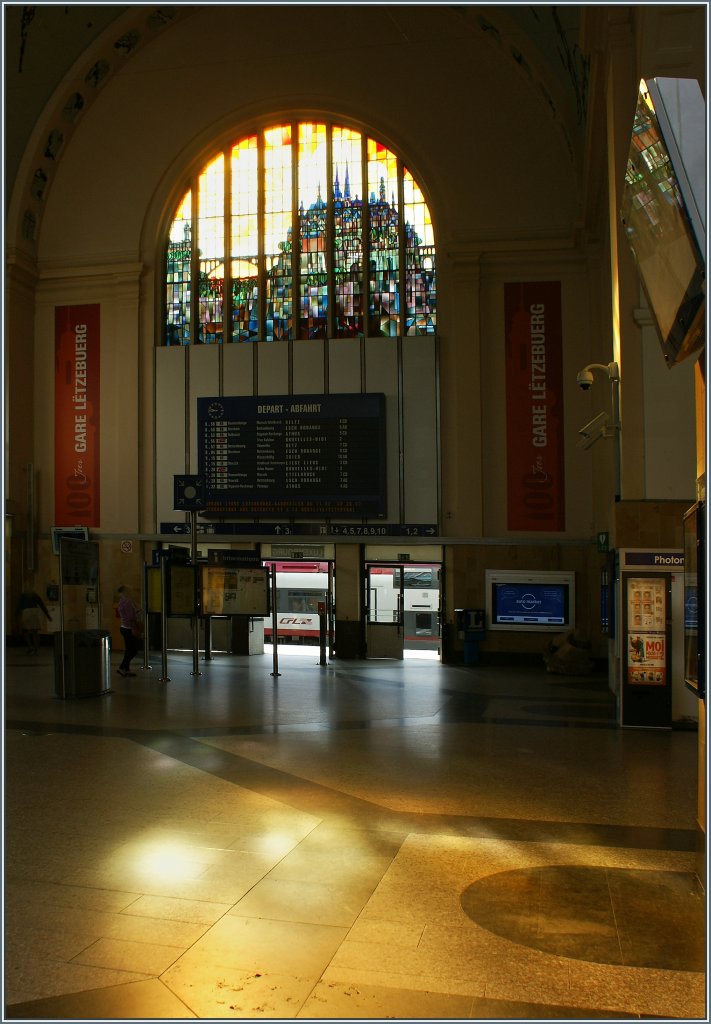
<point>76,415</point>
<point>534,406</point>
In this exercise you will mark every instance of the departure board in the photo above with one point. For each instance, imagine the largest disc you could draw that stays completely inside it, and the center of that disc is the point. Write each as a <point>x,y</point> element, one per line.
<point>293,455</point>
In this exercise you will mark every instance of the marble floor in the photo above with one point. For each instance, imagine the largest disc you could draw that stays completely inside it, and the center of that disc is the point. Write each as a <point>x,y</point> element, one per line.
<point>368,840</point>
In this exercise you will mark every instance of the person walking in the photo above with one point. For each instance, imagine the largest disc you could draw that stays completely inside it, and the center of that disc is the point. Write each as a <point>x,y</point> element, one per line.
<point>131,621</point>
<point>30,609</point>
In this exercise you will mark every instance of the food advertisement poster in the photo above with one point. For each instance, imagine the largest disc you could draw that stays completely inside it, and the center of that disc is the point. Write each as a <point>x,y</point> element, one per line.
<point>646,632</point>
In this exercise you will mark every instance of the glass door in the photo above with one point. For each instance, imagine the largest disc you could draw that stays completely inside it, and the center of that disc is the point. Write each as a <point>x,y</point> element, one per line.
<point>385,602</point>
<point>403,610</point>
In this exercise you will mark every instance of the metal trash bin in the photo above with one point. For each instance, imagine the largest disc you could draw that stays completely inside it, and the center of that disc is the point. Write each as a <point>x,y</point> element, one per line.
<point>470,629</point>
<point>87,663</point>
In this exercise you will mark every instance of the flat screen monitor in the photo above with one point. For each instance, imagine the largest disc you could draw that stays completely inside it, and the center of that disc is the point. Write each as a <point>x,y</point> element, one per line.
<point>69,532</point>
<point>538,601</point>
<point>664,209</point>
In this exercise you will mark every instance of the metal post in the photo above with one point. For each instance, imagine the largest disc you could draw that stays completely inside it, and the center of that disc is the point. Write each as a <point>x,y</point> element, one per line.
<point>31,518</point>
<point>614,373</point>
<point>61,618</point>
<point>275,656</point>
<point>196,621</point>
<point>146,666</point>
<point>322,629</point>
<point>330,610</point>
<point>208,638</point>
<point>165,678</point>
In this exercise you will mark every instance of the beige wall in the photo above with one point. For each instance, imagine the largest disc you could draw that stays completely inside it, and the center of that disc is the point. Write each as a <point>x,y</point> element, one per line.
<point>513,183</point>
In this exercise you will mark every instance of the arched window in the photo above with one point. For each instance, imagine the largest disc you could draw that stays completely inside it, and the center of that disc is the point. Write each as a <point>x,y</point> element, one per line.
<point>307,257</point>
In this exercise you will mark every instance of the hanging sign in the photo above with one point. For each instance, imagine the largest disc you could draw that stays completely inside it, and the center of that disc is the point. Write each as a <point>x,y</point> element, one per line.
<point>534,406</point>
<point>76,415</point>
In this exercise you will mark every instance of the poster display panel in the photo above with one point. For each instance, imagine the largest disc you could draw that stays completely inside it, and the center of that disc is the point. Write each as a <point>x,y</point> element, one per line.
<point>234,590</point>
<point>646,631</point>
<point>154,594</point>
<point>181,590</point>
<point>646,637</point>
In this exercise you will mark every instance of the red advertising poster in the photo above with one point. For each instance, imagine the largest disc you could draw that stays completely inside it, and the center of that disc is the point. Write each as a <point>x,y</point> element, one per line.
<point>534,406</point>
<point>76,415</point>
<point>647,659</point>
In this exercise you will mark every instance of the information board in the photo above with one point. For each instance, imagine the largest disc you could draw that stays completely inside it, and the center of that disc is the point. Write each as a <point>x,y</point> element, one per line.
<point>307,455</point>
<point>181,589</point>
<point>234,591</point>
<point>79,562</point>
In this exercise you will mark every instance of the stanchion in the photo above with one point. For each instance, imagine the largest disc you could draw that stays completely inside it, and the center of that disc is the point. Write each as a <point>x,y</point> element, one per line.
<point>165,678</point>
<point>196,622</point>
<point>208,638</point>
<point>329,610</point>
<point>146,666</point>
<point>275,656</point>
<point>322,631</point>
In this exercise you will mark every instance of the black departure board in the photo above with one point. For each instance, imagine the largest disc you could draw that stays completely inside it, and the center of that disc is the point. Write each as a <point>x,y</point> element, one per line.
<point>293,455</point>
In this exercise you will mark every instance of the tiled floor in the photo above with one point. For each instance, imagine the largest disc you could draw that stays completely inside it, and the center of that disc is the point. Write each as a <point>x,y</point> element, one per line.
<point>358,840</point>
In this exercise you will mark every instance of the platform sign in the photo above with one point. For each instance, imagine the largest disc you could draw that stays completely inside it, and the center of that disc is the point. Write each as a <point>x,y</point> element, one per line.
<point>287,455</point>
<point>270,529</point>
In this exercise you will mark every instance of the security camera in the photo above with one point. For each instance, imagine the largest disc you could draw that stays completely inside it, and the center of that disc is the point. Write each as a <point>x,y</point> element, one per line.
<point>593,431</point>
<point>585,379</point>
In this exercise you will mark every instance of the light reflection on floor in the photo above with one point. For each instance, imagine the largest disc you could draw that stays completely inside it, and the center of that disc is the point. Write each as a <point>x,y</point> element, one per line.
<point>312,651</point>
<point>383,839</point>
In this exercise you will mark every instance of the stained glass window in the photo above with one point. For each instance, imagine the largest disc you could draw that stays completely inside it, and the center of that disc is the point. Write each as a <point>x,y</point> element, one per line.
<point>347,150</point>
<point>306,230</point>
<point>211,250</point>
<point>384,225</point>
<point>313,229</point>
<point>245,244</point>
<point>278,195</point>
<point>419,260</point>
<point>178,276</point>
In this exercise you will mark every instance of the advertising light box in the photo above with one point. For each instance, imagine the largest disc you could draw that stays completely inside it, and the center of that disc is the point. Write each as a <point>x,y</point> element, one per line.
<point>293,455</point>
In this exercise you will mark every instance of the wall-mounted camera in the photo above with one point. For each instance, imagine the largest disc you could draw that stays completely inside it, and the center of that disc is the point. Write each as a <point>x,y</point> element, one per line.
<point>593,431</point>
<point>585,379</point>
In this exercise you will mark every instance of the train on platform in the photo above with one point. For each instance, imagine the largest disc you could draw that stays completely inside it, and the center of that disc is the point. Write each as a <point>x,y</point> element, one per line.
<point>303,586</point>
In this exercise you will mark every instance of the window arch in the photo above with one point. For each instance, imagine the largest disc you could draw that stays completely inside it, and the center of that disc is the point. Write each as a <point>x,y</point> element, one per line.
<point>307,258</point>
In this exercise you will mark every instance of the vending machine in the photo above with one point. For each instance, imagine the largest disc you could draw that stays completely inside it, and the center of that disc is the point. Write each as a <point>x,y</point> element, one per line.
<point>650,646</point>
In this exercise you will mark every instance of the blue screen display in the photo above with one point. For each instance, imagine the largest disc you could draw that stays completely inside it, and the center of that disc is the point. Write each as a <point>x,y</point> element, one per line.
<point>691,608</point>
<point>533,604</point>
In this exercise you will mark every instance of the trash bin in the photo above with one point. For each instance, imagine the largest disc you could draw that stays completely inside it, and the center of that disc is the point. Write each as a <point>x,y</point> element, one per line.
<point>470,629</point>
<point>87,663</point>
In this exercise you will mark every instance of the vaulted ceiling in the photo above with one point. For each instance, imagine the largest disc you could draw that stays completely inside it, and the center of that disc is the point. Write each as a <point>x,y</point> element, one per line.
<point>44,43</point>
